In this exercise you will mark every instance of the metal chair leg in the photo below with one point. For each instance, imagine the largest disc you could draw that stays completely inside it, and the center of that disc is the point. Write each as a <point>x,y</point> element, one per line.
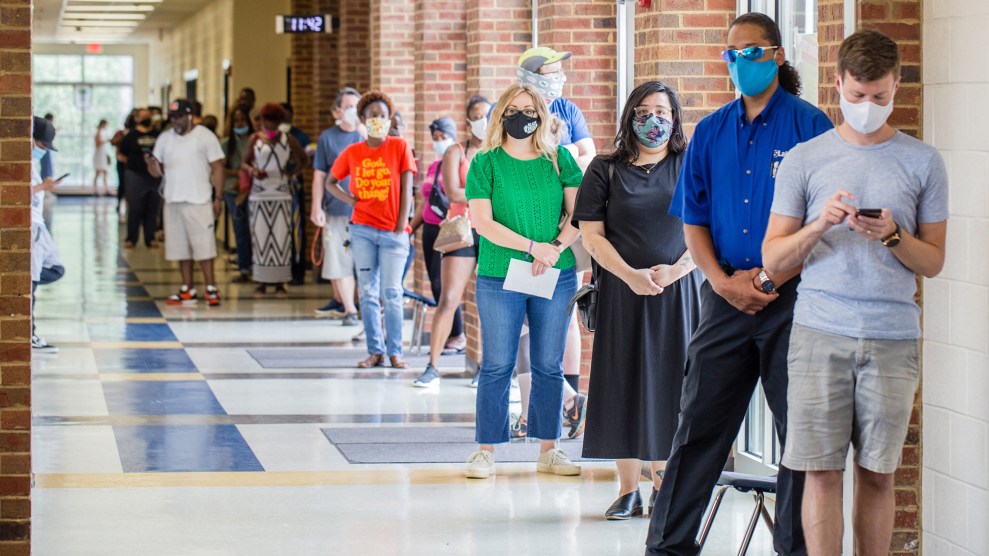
<point>418,325</point>
<point>760,500</point>
<point>768,519</point>
<point>710,517</point>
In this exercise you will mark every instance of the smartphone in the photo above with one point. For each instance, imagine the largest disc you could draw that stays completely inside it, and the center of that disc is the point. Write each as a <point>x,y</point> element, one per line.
<point>63,176</point>
<point>870,213</point>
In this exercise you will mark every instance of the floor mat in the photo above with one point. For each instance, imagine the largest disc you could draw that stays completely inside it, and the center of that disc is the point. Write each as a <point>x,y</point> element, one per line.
<point>337,358</point>
<point>429,445</point>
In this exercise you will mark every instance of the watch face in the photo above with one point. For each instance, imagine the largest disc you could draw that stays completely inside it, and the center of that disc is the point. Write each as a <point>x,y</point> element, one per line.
<point>768,286</point>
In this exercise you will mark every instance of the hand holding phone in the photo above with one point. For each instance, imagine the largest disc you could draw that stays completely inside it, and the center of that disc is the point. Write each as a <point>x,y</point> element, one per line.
<point>62,177</point>
<point>869,212</point>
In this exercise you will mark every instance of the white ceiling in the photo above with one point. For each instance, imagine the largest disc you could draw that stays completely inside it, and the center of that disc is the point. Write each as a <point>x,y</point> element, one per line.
<point>49,14</point>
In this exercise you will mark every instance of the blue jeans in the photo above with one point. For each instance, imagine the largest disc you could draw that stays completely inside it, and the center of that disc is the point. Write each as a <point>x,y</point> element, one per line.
<point>501,313</point>
<point>242,231</point>
<point>380,260</point>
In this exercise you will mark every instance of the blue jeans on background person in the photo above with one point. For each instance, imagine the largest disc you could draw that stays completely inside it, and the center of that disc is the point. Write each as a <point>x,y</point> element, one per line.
<point>242,231</point>
<point>501,313</point>
<point>380,258</point>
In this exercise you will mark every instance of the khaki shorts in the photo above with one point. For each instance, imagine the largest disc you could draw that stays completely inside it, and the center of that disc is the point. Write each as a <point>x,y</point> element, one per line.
<point>338,261</point>
<point>189,232</point>
<point>843,390</point>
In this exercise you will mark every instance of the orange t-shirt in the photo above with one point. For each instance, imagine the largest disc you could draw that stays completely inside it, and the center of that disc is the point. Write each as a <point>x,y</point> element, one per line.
<point>375,179</point>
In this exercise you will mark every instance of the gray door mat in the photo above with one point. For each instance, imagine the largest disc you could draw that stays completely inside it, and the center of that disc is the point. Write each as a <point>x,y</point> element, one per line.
<point>336,358</point>
<point>429,445</point>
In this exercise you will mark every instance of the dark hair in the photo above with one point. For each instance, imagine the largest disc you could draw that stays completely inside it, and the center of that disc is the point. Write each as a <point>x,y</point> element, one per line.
<point>197,108</point>
<point>49,116</point>
<point>102,122</point>
<point>868,56</point>
<point>626,144</point>
<point>130,122</point>
<point>371,97</point>
<point>788,76</point>
<point>273,113</point>
<point>210,122</point>
<point>231,140</point>
<point>474,101</point>
<point>344,92</point>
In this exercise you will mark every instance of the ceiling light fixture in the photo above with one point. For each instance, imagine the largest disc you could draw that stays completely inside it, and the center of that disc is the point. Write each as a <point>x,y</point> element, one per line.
<point>106,17</point>
<point>145,8</point>
<point>95,23</point>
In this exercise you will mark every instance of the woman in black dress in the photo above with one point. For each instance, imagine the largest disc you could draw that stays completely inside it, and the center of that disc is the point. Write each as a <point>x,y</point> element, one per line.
<point>648,303</point>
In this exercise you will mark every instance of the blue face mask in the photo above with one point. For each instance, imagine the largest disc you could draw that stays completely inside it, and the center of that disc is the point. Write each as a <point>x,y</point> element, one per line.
<point>37,153</point>
<point>241,130</point>
<point>752,78</point>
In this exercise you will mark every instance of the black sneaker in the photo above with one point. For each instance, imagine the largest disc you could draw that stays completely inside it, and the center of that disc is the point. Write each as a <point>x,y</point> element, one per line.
<point>333,309</point>
<point>577,414</point>
<point>39,345</point>
<point>429,377</point>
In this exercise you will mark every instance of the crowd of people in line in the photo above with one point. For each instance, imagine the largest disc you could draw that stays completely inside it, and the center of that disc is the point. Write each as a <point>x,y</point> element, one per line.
<point>773,248</point>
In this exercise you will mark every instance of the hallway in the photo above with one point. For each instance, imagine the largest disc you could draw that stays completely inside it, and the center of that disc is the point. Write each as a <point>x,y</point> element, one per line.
<point>160,431</point>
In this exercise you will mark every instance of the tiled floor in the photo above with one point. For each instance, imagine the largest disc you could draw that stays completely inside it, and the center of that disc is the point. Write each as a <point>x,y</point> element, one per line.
<point>156,433</point>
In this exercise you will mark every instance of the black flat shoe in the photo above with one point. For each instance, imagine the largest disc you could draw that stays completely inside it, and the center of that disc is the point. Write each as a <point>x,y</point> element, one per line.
<point>625,507</point>
<point>652,500</point>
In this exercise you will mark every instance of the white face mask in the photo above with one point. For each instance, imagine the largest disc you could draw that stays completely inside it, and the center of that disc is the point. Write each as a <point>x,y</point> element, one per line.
<point>441,146</point>
<point>864,117</point>
<point>350,116</point>
<point>285,128</point>
<point>479,127</point>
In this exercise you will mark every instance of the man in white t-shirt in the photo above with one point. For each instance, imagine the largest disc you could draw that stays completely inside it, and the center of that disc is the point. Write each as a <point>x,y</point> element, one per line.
<point>191,160</point>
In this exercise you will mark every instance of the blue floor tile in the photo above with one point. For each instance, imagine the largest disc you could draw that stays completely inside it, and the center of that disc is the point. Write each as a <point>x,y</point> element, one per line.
<point>142,309</point>
<point>143,361</point>
<point>127,332</point>
<point>177,448</point>
<point>171,397</point>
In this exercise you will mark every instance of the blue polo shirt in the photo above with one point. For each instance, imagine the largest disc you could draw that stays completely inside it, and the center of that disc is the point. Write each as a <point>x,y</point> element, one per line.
<point>729,172</point>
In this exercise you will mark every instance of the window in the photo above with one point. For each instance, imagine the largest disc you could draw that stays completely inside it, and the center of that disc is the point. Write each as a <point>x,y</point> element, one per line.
<point>797,20</point>
<point>81,90</point>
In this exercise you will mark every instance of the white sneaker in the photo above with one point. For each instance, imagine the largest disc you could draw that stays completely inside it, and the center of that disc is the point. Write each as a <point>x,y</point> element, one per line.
<point>480,465</point>
<point>40,345</point>
<point>555,461</point>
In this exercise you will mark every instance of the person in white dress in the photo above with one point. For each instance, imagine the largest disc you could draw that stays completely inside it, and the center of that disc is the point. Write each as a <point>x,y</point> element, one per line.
<point>101,159</point>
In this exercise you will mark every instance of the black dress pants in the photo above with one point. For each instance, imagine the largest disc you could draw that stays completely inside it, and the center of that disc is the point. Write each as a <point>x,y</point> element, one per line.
<point>727,356</point>
<point>143,201</point>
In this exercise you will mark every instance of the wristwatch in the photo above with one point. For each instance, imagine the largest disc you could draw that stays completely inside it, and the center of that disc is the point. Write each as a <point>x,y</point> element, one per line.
<point>767,285</point>
<point>893,239</point>
<point>556,243</point>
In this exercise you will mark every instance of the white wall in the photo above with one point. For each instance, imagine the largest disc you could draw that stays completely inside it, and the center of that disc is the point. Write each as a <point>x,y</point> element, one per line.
<point>956,303</point>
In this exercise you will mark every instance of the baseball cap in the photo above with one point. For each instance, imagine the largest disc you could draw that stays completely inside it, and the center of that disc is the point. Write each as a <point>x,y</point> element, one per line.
<point>535,58</point>
<point>44,131</point>
<point>180,107</point>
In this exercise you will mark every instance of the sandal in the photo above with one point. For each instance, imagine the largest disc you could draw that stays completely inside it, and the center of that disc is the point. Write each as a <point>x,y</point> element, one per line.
<point>373,360</point>
<point>397,363</point>
<point>260,291</point>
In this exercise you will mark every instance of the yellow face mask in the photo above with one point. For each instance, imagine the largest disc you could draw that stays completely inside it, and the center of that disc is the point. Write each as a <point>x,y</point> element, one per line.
<point>377,127</point>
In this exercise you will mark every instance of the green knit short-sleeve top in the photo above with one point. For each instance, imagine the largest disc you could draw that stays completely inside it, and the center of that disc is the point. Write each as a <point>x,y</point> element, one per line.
<point>526,197</point>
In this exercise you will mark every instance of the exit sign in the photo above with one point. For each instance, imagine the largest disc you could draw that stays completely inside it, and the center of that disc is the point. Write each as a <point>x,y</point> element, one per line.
<point>303,23</point>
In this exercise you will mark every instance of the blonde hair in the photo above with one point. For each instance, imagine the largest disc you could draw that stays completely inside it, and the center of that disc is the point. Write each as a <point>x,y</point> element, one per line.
<point>542,139</point>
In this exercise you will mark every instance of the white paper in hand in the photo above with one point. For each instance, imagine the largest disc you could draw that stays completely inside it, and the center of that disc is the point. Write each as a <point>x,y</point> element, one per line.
<point>520,279</point>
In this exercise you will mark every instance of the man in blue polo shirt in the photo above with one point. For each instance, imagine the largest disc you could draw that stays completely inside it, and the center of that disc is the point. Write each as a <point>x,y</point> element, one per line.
<point>724,196</point>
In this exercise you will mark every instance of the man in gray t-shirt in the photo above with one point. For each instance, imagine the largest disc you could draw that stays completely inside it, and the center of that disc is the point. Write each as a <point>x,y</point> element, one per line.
<point>864,209</point>
<point>332,214</point>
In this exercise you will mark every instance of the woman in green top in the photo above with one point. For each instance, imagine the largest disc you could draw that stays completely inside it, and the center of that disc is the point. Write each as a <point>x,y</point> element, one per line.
<point>518,188</point>
<point>238,136</point>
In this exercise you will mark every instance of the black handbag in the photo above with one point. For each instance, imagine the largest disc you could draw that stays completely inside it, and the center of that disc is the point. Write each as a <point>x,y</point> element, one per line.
<point>438,201</point>
<point>586,297</point>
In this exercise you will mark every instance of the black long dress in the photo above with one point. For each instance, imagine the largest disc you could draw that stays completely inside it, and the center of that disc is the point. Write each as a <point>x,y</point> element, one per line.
<point>640,346</point>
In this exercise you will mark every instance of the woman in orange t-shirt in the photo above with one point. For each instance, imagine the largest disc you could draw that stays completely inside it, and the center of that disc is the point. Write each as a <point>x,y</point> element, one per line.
<point>380,170</point>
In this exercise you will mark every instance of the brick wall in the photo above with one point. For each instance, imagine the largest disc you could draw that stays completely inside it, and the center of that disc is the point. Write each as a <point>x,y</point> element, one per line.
<point>392,54</point>
<point>15,278</point>
<point>679,42</point>
<point>355,44</point>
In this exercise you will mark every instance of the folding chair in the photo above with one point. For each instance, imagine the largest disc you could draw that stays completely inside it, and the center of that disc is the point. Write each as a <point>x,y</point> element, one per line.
<point>420,304</point>
<point>759,486</point>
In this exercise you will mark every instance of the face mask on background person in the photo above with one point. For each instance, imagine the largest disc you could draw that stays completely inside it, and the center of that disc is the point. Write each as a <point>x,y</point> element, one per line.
<point>752,78</point>
<point>241,130</point>
<point>520,126</point>
<point>864,117</point>
<point>285,127</point>
<point>441,146</point>
<point>377,127</point>
<point>146,122</point>
<point>271,134</point>
<point>37,153</point>
<point>549,85</point>
<point>651,130</point>
<point>350,116</point>
<point>479,127</point>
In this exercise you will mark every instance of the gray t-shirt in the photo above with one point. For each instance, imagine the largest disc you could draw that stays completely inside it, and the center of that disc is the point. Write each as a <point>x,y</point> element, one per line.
<point>331,143</point>
<point>851,285</point>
